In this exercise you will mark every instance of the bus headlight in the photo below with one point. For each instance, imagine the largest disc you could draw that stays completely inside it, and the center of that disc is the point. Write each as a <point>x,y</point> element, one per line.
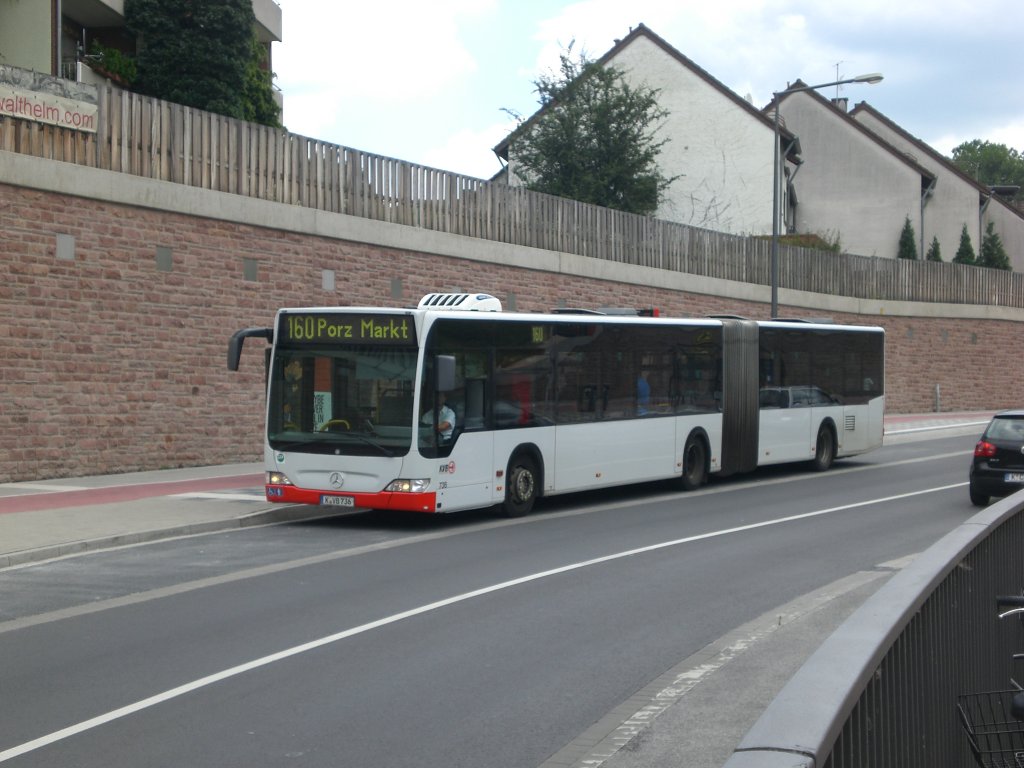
<point>277,478</point>
<point>408,486</point>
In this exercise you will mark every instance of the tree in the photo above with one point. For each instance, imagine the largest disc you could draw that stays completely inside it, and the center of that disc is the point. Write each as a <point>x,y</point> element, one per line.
<point>197,53</point>
<point>593,139</point>
<point>990,164</point>
<point>258,103</point>
<point>993,254</point>
<point>965,253</point>
<point>934,251</point>
<point>908,245</point>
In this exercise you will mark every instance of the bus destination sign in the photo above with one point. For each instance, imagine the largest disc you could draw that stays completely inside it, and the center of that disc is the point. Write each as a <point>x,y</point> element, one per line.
<point>346,328</point>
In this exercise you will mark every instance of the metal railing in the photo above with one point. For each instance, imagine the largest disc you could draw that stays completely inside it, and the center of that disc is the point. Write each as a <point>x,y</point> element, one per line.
<point>882,690</point>
<point>69,68</point>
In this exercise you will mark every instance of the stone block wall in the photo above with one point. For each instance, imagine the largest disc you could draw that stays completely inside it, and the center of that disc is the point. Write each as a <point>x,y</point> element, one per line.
<point>116,318</point>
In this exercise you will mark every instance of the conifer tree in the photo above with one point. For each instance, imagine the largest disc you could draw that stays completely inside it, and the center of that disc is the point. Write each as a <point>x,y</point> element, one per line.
<point>993,254</point>
<point>965,253</point>
<point>934,251</point>
<point>908,245</point>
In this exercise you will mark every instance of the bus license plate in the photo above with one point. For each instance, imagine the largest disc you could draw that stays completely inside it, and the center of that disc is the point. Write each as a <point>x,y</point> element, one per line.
<point>1014,477</point>
<point>337,501</point>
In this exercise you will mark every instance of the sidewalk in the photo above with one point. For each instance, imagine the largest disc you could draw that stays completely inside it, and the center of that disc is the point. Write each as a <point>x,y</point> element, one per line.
<point>51,518</point>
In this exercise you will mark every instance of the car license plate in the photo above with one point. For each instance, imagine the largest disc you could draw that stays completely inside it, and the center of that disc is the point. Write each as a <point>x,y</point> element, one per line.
<point>337,501</point>
<point>1014,477</point>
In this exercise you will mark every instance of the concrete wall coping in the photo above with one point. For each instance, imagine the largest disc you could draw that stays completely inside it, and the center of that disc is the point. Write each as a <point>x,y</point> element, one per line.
<point>124,189</point>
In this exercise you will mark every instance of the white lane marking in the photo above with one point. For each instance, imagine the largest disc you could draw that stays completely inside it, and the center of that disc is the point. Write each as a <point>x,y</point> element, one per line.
<point>41,487</point>
<point>933,427</point>
<point>203,682</point>
<point>622,725</point>
<point>735,484</point>
<point>255,495</point>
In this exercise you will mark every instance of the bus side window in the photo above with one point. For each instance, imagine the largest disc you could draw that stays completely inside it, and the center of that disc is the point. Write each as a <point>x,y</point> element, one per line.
<point>472,406</point>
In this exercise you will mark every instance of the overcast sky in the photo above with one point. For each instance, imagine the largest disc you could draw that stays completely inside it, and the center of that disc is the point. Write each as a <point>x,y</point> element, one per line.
<point>427,80</point>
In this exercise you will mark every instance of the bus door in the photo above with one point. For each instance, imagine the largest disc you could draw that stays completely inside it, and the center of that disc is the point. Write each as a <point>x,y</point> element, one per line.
<point>459,461</point>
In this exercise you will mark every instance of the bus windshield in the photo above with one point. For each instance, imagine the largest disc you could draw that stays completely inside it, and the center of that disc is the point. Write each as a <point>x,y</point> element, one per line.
<point>343,400</point>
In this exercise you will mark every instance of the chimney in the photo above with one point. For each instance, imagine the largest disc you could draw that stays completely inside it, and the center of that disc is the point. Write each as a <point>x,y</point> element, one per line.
<point>842,103</point>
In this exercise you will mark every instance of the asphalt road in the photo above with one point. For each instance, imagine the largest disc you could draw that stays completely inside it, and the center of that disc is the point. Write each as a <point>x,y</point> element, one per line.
<point>383,640</point>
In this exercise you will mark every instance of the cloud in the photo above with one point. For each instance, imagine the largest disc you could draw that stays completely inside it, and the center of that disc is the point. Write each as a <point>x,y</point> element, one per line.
<point>1009,133</point>
<point>423,81</point>
<point>357,73</point>
<point>469,151</point>
<point>358,51</point>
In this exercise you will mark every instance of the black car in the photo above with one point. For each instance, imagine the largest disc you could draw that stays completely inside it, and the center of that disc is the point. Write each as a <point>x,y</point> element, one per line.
<point>998,465</point>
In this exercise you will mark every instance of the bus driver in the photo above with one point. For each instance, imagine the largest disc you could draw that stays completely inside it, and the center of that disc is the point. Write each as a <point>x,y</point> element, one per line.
<point>445,418</point>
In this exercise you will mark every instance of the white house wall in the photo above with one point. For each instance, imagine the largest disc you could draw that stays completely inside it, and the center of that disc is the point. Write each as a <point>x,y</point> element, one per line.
<point>849,187</point>
<point>954,202</point>
<point>1010,228</point>
<point>25,34</point>
<point>722,154</point>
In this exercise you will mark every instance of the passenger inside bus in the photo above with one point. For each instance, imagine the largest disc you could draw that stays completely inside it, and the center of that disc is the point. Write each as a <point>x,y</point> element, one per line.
<point>643,393</point>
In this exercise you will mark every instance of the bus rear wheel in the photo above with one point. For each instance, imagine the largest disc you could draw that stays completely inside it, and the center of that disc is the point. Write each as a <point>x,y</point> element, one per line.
<point>521,488</point>
<point>824,449</point>
<point>695,466</point>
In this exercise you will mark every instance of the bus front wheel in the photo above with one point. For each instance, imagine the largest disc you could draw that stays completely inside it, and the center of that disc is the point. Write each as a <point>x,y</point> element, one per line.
<point>695,467</point>
<point>824,449</point>
<point>521,488</point>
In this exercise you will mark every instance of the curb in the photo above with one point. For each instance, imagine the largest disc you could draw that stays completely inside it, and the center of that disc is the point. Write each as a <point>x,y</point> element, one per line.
<point>625,737</point>
<point>289,514</point>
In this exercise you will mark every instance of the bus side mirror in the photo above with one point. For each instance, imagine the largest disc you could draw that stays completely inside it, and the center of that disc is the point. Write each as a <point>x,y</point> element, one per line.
<point>445,368</point>
<point>235,345</point>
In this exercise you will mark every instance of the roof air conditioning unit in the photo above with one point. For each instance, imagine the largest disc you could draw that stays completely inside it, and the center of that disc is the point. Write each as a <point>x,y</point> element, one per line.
<point>473,302</point>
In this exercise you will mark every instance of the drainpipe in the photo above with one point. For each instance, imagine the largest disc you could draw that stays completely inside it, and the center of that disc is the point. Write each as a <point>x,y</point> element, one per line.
<point>791,202</point>
<point>925,196</point>
<point>981,221</point>
<point>786,181</point>
<point>57,30</point>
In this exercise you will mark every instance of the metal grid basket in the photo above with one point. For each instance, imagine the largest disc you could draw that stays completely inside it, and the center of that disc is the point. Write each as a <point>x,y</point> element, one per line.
<point>996,738</point>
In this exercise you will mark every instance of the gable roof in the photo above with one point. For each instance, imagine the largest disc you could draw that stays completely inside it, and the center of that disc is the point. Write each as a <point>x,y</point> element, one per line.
<point>875,138</point>
<point>947,164</point>
<point>501,149</point>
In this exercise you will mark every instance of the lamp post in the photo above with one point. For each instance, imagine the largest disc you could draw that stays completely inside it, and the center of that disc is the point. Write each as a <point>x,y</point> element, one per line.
<point>870,79</point>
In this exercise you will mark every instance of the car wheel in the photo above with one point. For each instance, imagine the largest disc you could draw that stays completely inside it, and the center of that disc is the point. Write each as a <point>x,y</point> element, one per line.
<point>521,489</point>
<point>824,449</point>
<point>978,499</point>
<point>695,464</point>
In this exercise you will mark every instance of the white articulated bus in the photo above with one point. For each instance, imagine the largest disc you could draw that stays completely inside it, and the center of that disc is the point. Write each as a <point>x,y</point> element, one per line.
<point>546,404</point>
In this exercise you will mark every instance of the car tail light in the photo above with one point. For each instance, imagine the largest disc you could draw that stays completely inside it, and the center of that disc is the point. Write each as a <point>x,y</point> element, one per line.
<point>984,450</point>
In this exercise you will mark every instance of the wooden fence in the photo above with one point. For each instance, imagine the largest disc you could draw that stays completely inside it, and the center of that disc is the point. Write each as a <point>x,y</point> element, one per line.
<point>155,139</point>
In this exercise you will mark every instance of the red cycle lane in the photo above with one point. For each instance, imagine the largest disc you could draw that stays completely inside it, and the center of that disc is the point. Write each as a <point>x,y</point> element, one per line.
<point>111,494</point>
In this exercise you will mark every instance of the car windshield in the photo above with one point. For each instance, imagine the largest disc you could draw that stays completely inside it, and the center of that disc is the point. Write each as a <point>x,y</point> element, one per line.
<point>355,401</point>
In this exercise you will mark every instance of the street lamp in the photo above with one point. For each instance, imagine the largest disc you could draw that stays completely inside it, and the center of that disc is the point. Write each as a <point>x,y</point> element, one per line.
<point>870,79</point>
